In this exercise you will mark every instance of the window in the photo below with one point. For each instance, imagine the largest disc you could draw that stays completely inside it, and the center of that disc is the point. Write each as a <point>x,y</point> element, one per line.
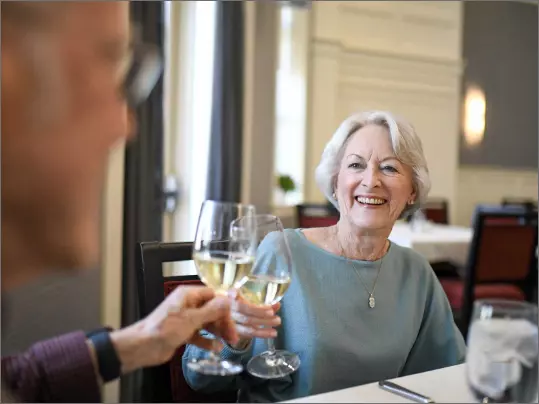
<point>291,102</point>
<point>202,104</point>
<point>190,31</point>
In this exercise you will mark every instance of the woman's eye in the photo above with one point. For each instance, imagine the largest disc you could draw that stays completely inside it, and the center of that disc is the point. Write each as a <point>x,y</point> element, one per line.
<point>389,169</point>
<point>354,165</point>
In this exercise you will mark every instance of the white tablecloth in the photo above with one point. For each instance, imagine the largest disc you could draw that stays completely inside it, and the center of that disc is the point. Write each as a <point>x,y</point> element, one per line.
<point>435,242</point>
<point>446,385</point>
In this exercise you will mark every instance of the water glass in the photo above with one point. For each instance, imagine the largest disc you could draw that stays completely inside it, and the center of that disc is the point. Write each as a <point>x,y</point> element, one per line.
<point>501,361</point>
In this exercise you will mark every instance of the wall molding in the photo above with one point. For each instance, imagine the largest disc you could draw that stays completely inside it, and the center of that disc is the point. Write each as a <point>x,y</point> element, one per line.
<point>411,27</point>
<point>433,17</point>
<point>326,47</point>
<point>365,11</point>
<point>428,21</point>
<point>383,92</point>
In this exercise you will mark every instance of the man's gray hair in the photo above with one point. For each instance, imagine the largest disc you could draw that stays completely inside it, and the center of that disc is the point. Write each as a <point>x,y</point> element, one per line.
<point>406,146</point>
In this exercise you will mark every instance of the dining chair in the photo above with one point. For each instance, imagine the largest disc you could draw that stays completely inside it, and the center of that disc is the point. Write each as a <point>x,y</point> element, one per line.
<point>166,383</point>
<point>501,262</point>
<point>524,202</point>
<point>435,210</point>
<point>316,215</point>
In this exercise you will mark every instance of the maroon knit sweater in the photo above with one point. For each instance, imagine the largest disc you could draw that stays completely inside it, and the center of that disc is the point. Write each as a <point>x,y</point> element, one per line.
<point>55,370</point>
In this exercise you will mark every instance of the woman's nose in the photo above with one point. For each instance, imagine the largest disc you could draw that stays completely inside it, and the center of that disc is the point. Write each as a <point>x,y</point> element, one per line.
<point>371,177</point>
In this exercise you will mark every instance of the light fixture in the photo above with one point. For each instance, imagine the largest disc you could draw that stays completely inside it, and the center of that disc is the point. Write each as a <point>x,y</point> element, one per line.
<point>475,108</point>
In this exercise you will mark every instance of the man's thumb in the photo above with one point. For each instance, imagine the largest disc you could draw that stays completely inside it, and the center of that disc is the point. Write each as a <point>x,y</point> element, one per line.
<point>214,310</point>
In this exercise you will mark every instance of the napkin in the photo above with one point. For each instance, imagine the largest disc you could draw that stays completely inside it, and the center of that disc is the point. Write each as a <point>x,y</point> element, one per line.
<point>497,350</point>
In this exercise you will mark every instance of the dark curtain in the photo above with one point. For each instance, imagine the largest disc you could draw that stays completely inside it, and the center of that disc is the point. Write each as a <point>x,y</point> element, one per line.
<point>143,206</point>
<point>224,173</point>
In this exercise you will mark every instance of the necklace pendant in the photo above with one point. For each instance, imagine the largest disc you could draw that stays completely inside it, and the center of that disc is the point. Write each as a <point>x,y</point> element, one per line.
<point>372,302</point>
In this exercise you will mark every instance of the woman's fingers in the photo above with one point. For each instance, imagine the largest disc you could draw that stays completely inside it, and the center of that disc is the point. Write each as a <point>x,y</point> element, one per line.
<point>270,321</point>
<point>251,332</point>
<point>252,310</point>
<point>254,321</point>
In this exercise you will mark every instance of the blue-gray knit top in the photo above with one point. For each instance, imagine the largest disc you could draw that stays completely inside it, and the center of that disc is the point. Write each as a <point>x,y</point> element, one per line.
<point>341,341</point>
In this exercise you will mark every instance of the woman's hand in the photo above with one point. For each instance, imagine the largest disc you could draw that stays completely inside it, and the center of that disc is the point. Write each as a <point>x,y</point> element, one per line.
<point>253,321</point>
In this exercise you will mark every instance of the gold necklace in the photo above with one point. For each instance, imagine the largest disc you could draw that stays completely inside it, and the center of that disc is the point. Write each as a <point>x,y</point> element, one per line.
<point>372,300</point>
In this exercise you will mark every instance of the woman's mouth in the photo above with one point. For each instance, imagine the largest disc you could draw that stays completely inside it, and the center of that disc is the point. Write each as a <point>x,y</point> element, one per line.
<point>363,200</point>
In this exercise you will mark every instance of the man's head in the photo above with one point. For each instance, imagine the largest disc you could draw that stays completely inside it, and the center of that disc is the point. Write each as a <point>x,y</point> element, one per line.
<point>63,65</point>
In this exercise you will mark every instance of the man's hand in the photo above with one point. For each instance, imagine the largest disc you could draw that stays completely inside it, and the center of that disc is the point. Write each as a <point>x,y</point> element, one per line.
<point>177,321</point>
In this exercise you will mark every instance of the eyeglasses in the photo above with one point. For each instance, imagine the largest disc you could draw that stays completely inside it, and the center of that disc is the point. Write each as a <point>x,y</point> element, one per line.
<point>143,72</point>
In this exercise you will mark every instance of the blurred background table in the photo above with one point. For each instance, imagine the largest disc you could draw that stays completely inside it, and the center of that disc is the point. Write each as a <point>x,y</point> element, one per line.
<point>436,242</point>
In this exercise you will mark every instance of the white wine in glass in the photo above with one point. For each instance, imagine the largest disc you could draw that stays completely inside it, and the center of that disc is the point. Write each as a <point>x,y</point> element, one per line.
<point>223,254</point>
<point>222,270</point>
<point>267,283</point>
<point>263,289</point>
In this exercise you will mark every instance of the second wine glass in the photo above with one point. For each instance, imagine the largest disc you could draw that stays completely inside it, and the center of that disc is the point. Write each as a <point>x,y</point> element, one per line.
<point>266,284</point>
<point>223,254</point>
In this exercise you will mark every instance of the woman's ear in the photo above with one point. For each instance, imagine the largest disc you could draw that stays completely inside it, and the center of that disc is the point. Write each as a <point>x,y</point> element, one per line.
<point>412,198</point>
<point>335,190</point>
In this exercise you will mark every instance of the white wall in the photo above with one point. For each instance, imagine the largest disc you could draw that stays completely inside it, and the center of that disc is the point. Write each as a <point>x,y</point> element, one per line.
<point>401,56</point>
<point>490,185</point>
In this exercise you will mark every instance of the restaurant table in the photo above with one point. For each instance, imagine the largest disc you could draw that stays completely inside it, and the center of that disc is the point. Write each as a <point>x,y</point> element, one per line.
<point>447,385</point>
<point>436,242</point>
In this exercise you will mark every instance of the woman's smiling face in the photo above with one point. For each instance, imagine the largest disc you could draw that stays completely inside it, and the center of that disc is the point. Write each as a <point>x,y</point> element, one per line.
<point>373,186</point>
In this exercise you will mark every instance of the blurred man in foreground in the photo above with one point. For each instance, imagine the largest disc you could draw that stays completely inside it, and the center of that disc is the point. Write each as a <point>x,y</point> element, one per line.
<point>64,106</point>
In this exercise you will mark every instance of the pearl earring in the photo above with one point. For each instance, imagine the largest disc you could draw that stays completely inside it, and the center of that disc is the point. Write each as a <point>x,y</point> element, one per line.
<point>334,196</point>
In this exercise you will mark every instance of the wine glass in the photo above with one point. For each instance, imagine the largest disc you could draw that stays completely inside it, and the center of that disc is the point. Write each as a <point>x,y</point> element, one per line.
<point>266,284</point>
<point>501,361</point>
<point>223,255</point>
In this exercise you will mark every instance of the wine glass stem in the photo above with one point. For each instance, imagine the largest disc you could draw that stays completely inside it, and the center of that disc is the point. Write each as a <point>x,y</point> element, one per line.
<point>213,355</point>
<point>271,346</point>
<point>272,359</point>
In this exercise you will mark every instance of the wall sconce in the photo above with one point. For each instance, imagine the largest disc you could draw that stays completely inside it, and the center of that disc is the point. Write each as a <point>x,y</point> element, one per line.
<point>475,108</point>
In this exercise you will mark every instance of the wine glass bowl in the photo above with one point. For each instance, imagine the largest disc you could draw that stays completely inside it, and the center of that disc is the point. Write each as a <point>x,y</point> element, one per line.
<point>221,270</point>
<point>223,252</point>
<point>501,360</point>
<point>263,289</point>
<point>267,284</point>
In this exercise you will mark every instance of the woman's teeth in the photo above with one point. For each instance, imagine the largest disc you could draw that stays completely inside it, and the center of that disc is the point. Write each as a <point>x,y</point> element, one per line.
<point>370,201</point>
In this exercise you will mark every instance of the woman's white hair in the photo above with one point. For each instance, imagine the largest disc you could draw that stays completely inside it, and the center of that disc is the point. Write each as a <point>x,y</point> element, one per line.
<point>406,146</point>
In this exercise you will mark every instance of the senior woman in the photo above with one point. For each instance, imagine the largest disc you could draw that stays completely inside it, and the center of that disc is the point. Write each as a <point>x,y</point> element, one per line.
<point>360,308</point>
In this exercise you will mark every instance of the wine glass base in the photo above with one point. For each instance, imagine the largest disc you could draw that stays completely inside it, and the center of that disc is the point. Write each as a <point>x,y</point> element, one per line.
<point>215,368</point>
<point>273,366</point>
